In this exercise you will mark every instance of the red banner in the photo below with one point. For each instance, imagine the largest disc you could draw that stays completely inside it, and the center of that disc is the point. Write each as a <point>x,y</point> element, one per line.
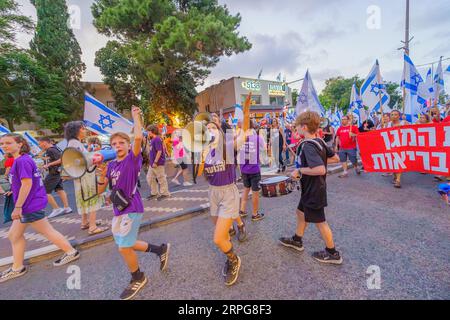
<point>421,148</point>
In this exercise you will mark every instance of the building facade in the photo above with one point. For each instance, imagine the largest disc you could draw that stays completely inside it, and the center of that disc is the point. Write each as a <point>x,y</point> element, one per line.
<point>267,96</point>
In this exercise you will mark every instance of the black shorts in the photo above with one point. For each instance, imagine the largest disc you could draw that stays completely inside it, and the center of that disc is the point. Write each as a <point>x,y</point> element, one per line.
<point>312,215</point>
<point>53,183</point>
<point>251,181</point>
<point>183,166</point>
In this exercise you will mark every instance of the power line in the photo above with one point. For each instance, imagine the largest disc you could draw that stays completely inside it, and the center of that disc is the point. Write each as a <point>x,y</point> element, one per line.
<point>431,63</point>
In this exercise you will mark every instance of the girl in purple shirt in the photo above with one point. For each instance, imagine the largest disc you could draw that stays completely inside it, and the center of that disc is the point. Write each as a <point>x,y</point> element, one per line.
<point>122,176</point>
<point>30,201</point>
<point>223,196</point>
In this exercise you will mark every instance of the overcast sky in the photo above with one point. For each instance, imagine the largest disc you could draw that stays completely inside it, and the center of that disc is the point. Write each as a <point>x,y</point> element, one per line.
<point>330,37</point>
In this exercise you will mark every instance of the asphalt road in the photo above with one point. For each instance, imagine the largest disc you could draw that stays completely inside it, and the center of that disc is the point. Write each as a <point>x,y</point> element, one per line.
<point>404,232</point>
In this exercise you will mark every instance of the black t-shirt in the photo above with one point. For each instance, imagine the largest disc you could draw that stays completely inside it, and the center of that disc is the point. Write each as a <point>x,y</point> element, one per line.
<point>327,137</point>
<point>314,153</point>
<point>53,154</point>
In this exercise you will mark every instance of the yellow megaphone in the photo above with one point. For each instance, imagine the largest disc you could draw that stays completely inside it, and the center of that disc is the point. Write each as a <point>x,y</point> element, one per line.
<point>76,163</point>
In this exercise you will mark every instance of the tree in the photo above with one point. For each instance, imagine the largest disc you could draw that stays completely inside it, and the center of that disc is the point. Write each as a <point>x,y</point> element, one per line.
<point>57,51</point>
<point>11,22</point>
<point>163,49</point>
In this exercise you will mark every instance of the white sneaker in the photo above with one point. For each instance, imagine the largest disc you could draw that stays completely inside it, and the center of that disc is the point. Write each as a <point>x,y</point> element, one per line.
<point>187,184</point>
<point>56,212</point>
<point>175,181</point>
<point>67,210</point>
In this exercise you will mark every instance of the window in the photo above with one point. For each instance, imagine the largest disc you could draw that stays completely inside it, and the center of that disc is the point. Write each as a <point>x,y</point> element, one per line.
<point>277,101</point>
<point>256,100</point>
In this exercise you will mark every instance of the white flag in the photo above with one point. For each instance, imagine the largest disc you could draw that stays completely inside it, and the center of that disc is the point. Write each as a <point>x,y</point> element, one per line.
<point>102,120</point>
<point>373,90</point>
<point>34,145</point>
<point>3,130</point>
<point>308,99</point>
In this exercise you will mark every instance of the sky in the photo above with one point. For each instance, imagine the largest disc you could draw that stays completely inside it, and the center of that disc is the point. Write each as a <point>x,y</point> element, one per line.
<point>329,37</point>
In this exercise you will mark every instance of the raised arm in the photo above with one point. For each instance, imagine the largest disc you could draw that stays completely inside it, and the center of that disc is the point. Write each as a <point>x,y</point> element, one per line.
<point>138,135</point>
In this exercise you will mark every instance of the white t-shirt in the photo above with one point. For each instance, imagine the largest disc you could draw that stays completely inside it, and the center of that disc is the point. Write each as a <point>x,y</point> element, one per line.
<point>74,143</point>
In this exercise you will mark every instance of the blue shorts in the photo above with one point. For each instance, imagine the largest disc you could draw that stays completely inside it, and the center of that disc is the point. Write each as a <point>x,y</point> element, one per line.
<point>345,154</point>
<point>125,229</point>
<point>32,217</point>
<point>444,189</point>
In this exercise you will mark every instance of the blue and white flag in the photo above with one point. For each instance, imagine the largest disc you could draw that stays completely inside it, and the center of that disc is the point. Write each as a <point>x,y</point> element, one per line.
<point>3,130</point>
<point>448,69</point>
<point>356,106</point>
<point>373,90</point>
<point>411,80</point>
<point>426,89</point>
<point>34,145</point>
<point>438,81</point>
<point>335,122</point>
<point>307,98</point>
<point>2,154</point>
<point>279,77</point>
<point>238,114</point>
<point>102,120</point>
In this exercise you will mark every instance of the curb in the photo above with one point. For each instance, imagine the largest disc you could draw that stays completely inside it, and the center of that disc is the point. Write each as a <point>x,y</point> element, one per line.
<point>52,251</point>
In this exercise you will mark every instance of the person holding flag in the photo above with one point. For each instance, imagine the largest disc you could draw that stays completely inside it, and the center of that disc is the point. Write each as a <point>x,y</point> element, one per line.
<point>122,176</point>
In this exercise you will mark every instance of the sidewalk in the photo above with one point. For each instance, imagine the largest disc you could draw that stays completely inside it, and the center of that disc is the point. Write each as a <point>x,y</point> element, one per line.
<point>184,202</point>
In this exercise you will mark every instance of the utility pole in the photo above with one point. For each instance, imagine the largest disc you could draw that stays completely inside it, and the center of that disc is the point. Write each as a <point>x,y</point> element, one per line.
<point>407,29</point>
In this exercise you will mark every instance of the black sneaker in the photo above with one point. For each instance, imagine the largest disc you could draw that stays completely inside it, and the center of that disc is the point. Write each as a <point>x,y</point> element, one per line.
<point>164,257</point>
<point>67,258</point>
<point>242,233</point>
<point>243,214</point>
<point>291,243</point>
<point>133,288</point>
<point>326,257</point>
<point>11,274</point>
<point>232,232</point>
<point>233,272</point>
<point>258,216</point>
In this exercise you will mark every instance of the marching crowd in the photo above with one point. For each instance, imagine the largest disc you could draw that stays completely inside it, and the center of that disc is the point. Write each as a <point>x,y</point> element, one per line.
<point>311,143</point>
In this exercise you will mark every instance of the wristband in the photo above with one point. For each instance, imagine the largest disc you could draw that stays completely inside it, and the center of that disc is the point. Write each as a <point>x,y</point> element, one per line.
<point>17,207</point>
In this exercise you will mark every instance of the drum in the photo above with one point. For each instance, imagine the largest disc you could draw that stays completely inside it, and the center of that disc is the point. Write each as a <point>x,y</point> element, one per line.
<point>277,186</point>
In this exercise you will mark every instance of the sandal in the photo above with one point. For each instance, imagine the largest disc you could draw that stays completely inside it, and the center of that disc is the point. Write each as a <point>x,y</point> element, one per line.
<point>344,175</point>
<point>97,230</point>
<point>86,226</point>
<point>397,184</point>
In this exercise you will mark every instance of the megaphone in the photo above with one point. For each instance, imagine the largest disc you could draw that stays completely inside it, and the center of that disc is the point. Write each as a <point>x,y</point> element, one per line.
<point>195,136</point>
<point>76,163</point>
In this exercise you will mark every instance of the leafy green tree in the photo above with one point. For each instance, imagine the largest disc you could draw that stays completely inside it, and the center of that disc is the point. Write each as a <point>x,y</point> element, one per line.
<point>163,50</point>
<point>11,22</point>
<point>57,51</point>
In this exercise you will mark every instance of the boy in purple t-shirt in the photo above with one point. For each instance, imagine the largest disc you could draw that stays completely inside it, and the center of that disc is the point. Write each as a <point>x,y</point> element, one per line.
<point>122,176</point>
<point>249,160</point>
<point>156,176</point>
<point>30,201</point>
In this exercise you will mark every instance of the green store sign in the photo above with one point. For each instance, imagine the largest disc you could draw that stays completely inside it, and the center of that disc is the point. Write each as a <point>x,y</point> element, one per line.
<point>251,85</point>
<point>277,89</point>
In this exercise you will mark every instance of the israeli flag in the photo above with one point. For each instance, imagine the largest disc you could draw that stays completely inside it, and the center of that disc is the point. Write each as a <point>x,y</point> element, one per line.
<point>438,80</point>
<point>3,130</point>
<point>335,120</point>
<point>308,99</point>
<point>102,120</point>
<point>2,154</point>
<point>356,106</point>
<point>279,77</point>
<point>373,90</point>
<point>426,89</point>
<point>410,83</point>
<point>34,145</point>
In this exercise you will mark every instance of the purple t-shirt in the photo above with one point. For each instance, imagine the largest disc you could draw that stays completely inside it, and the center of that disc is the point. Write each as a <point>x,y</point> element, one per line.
<point>217,171</point>
<point>124,175</point>
<point>249,154</point>
<point>25,168</point>
<point>157,145</point>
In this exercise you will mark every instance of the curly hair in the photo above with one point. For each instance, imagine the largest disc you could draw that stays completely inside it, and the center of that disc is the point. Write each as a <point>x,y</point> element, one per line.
<point>72,130</point>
